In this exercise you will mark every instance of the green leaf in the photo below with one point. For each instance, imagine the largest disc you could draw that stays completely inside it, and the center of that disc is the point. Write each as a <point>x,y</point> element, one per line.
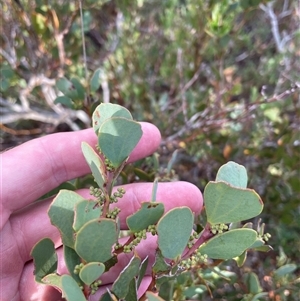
<point>240,260</point>
<point>67,88</point>
<point>227,204</point>
<point>64,100</point>
<point>258,243</point>
<point>108,110</point>
<point>94,241</point>
<point>260,296</point>
<point>265,248</point>
<point>252,283</point>
<point>152,297</point>
<point>234,174</point>
<point>285,269</point>
<point>117,138</point>
<point>160,264</point>
<point>142,271</point>
<point>53,280</point>
<point>72,259</point>
<point>44,258</point>
<point>132,292</point>
<point>91,272</point>
<point>79,88</point>
<point>174,230</point>
<point>108,296</point>
<point>96,80</point>
<point>70,289</point>
<point>85,211</point>
<point>228,244</point>
<point>193,290</point>
<point>148,214</point>
<point>144,176</point>
<point>96,165</point>
<point>61,213</point>
<point>121,286</point>
<point>111,262</point>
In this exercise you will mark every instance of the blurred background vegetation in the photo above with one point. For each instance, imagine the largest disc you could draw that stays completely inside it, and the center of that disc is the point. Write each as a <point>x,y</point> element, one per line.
<point>221,81</point>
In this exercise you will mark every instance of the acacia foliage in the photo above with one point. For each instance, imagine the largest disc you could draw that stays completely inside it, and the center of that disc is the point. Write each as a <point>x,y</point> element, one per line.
<point>219,78</point>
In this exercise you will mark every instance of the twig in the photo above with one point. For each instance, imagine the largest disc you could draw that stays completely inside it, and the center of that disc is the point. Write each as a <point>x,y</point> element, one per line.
<point>268,9</point>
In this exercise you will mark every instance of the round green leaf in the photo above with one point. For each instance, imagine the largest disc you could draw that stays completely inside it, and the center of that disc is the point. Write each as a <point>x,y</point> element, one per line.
<point>227,204</point>
<point>64,100</point>
<point>70,289</point>
<point>67,88</point>
<point>96,165</point>
<point>228,244</point>
<point>174,230</point>
<point>85,211</point>
<point>94,241</point>
<point>53,280</point>
<point>234,174</point>
<point>108,110</point>
<point>44,258</point>
<point>91,272</point>
<point>148,214</point>
<point>118,137</point>
<point>61,213</point>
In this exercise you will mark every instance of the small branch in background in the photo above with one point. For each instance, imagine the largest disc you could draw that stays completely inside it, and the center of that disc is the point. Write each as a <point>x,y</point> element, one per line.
<point>268,9</point>
<point>189,83</point>
<point>280,42</point>
<point>83,42</point>
<point>209,120</point>
<point>105,89</point>
<point>20,132</point>
<point>16,112</point>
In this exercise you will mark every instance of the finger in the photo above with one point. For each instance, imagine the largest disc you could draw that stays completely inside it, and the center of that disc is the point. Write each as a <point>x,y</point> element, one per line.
<point>32,223</point>
<point>40,165</point>
<point>171,194</point>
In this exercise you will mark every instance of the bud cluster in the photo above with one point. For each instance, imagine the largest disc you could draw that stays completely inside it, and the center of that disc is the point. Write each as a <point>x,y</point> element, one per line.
<point>196,259</point>
<point>152,229</point>
<point>138,237</point>
<point>218,228</point>
<point>98,149</point>
<point>78,267</point>
<point>94,286</point>
<point>193,239</point>
<point>113,213</point>
<point>118,246</point>
<point>117,195</point>
<point>109,165</point>
<point>266,236</point>
<point>97,193</point>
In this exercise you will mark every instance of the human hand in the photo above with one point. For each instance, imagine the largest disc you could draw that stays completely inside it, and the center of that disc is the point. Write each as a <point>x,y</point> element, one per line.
<point>36,167</point>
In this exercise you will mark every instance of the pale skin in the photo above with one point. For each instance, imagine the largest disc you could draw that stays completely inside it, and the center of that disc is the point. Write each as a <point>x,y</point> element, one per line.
<point>36,167</point>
